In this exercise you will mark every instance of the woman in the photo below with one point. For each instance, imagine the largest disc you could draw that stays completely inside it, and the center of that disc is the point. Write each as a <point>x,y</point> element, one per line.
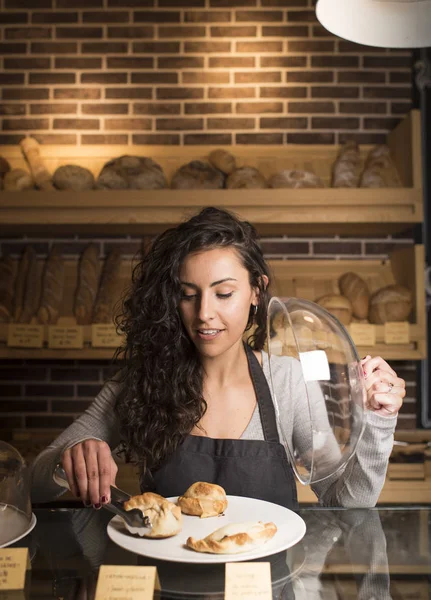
<point>193,402</point>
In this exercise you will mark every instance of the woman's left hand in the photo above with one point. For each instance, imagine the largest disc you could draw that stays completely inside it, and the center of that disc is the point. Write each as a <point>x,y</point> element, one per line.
<point>385,390</point>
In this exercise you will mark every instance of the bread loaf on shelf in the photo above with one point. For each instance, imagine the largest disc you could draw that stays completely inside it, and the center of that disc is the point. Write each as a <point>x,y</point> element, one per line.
<point>21,281</point>
<point>339,306</point>
<point>109,293</point>
<point>246,178</point>
<point>52,288</point>
<point>391,303</point>
<point>17,180</point>
<point>7,277</point>
<point>131,172</point>
<point>74,178</point>
<point>41,175</point>
<point>380,171</point>
<point>346,171</point>
<point>356,290</point>
<point>197,175</point>
<point>33,286</point>
<point>88,283</point>
<point>223,161</point>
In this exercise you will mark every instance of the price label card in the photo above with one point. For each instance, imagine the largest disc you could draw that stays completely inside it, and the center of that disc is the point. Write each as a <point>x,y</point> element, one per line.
<point>397,333</point>
<point>248,581</point>
<point>363,334</point>
<point>65,337</point>
<point>13,564</point>
<point>25,336</point>
<point>125,582</point>
<point>104,336</point>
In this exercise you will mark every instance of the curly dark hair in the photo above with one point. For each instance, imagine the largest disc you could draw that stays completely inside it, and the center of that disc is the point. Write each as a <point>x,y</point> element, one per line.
<point>161,399</point>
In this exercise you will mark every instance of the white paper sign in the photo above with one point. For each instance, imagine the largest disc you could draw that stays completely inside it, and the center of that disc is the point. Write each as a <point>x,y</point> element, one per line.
<point>315,366</point>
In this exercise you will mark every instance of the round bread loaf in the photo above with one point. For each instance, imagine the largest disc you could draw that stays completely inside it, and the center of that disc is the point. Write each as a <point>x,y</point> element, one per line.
<point>355,289</point>
<point>339,306</point>
<point>246,178</point>
<point>17,180</point>
<point>223,161</point>
<point>289,178</point>
<point>73,177</point>
<point>197,175</point>
<point>131,172</point>
<point>391,303</point>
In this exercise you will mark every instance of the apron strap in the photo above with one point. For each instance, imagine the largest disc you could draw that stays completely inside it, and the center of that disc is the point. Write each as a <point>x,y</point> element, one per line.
<point>264,399</point>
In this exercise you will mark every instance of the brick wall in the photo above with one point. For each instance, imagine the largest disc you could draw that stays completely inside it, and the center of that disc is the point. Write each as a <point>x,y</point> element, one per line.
<point>191,72</point>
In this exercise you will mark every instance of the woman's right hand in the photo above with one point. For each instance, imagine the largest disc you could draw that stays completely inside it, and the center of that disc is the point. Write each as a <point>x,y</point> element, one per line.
<point>90,471</point>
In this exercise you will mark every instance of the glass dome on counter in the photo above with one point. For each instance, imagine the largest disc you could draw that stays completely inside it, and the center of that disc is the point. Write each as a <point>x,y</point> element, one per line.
<point>16,517</point>
<point>323,413</point>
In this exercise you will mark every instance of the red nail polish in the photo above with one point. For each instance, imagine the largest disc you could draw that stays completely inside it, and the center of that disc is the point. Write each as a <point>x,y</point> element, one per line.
<point>97,506</point>
<point>104,499</point>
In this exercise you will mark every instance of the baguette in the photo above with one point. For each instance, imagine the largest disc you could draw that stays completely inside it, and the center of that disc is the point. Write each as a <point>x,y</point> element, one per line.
<point>109,290</point>
<point>6,289</point>
<point>88,281</point>
<point>52,289</point>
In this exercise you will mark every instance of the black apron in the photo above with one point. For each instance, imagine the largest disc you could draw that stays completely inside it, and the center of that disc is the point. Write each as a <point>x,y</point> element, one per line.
<point>253,468</point>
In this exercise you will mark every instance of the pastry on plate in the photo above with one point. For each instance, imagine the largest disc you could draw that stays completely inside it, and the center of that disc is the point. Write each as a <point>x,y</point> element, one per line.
<point>234,538</point>
<point>165,516</point>
<point>203,500</point>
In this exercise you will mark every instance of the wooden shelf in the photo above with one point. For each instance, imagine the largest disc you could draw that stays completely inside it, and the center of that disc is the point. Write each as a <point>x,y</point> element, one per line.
<point>366,212</point>
<point>311,279</point>
<point>298,212</point>
<point>307,279</point>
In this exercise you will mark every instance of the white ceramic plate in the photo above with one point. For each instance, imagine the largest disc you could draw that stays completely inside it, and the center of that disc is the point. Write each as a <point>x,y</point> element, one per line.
<point>290,529</point>
<point>23,534</point>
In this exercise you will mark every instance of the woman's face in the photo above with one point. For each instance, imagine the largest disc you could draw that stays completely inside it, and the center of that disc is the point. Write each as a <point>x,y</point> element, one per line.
<point>216,299</point>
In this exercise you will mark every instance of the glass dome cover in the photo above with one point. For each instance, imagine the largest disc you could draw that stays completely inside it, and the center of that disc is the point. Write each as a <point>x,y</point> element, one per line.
<point>16,518</point>
<point>325,400</point>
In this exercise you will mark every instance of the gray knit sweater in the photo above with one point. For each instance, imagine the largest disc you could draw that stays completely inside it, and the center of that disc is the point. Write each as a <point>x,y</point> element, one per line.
<point>357,485</point>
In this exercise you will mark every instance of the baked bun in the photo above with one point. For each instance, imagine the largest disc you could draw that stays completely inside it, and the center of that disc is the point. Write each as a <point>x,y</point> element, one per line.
<point>165,517</point>
<point>234,538</point>
<point>197,175</point>
<point>223,161</point>
<point>203,500</point>
<point>246,178</point>
<point>339,306</point>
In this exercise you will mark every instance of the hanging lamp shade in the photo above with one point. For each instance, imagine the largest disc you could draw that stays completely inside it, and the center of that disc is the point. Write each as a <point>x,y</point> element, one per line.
<point>383,23</point>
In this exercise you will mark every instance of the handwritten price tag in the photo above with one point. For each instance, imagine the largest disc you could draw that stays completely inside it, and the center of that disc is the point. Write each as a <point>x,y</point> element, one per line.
<point>65,337</point>
<point>13,564</point>
<point>104,336</point>
<point>126,582</point>
<point>25,336</point>
<point>363,334</point>
<point>248,581</point>
<point>397,333</point>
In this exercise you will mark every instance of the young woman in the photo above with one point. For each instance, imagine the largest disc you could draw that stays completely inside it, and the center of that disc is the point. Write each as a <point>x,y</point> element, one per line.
<point>193,402</point>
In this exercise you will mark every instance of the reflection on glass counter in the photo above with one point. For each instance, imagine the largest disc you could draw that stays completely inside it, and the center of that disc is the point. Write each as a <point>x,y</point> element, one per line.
<point>345,554</point>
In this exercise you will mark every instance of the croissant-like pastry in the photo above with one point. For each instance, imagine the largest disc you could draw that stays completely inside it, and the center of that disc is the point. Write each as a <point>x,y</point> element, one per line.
<point>166,518</point>
<point>234,538</point>
<point>203,500</point>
